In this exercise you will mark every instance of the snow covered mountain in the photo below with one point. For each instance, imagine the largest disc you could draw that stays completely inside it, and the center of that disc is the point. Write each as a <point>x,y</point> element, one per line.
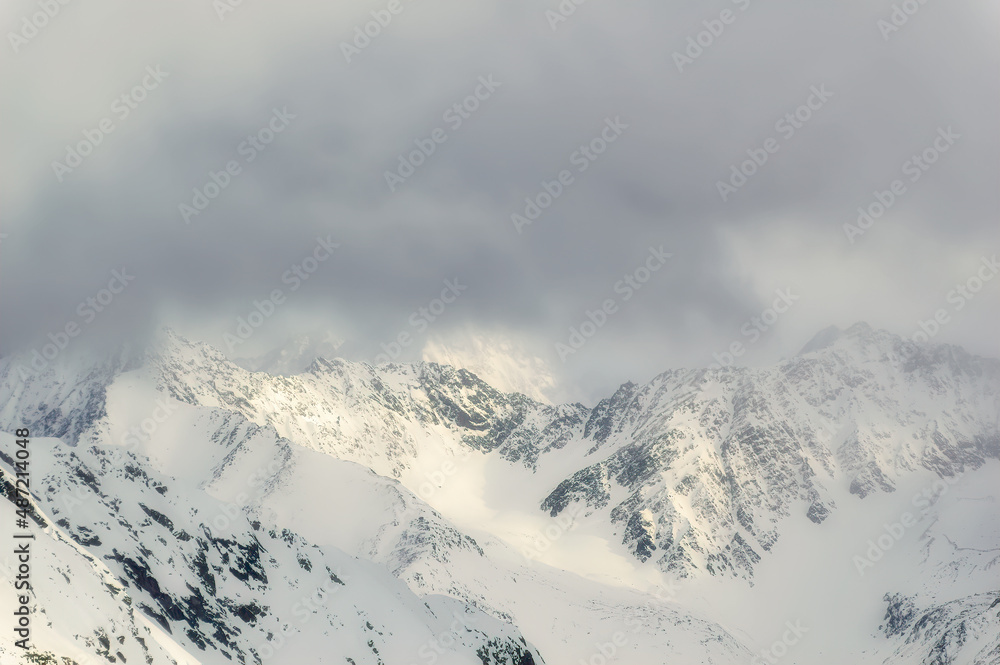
<point>414,513</point>
<point>295,355</point>
<point>498,361</point>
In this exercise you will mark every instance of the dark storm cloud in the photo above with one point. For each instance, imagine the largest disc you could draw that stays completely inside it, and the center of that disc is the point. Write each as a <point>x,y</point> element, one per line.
<point>655,185</point>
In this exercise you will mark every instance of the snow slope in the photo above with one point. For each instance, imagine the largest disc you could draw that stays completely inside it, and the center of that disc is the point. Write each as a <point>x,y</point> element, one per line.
<point>651,528</point>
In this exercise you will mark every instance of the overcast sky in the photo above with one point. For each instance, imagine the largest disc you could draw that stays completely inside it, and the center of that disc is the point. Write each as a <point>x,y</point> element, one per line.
<point>681,116</point>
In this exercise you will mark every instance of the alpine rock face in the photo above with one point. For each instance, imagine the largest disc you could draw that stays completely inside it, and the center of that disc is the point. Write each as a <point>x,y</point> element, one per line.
<point>840,506</point>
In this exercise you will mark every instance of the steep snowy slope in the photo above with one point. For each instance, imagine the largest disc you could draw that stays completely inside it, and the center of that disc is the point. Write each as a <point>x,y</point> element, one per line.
<point>393,527</point>
<point>953,616</point>
<point>81,607</point>
<point>695,469</point>
<point>230,589</point>
<point>699,468</point>
<point>654,525</point>
<point>261,479</point>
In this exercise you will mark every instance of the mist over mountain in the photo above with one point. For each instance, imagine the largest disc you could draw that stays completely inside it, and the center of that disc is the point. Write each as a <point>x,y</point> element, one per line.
<point>504,332</point>
<point>346,512</point>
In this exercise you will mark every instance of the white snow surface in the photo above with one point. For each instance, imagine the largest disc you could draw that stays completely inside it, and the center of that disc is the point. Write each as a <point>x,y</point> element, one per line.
<point>839,507</point>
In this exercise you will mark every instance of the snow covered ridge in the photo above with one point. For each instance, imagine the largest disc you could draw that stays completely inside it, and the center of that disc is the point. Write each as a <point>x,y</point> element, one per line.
<point>225,590</point>
<point>415,514</point>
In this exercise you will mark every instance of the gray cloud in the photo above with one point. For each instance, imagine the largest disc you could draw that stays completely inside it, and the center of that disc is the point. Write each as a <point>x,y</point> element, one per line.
<point>451,218</point>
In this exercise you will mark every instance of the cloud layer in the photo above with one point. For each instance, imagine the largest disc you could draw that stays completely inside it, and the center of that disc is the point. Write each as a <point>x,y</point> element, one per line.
<point>696,91</point>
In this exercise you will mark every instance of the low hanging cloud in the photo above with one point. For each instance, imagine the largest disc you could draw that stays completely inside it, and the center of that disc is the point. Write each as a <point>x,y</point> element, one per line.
<point>755,133</point>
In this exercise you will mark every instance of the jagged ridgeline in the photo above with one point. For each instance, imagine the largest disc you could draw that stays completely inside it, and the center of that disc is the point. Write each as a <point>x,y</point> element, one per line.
<point>190,510</point>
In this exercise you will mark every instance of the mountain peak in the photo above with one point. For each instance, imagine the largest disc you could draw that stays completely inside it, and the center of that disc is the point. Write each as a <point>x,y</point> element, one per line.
<point>499,360</point>
<point>821,340</point>
<point>295,356</point>
<point>831,335</point>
